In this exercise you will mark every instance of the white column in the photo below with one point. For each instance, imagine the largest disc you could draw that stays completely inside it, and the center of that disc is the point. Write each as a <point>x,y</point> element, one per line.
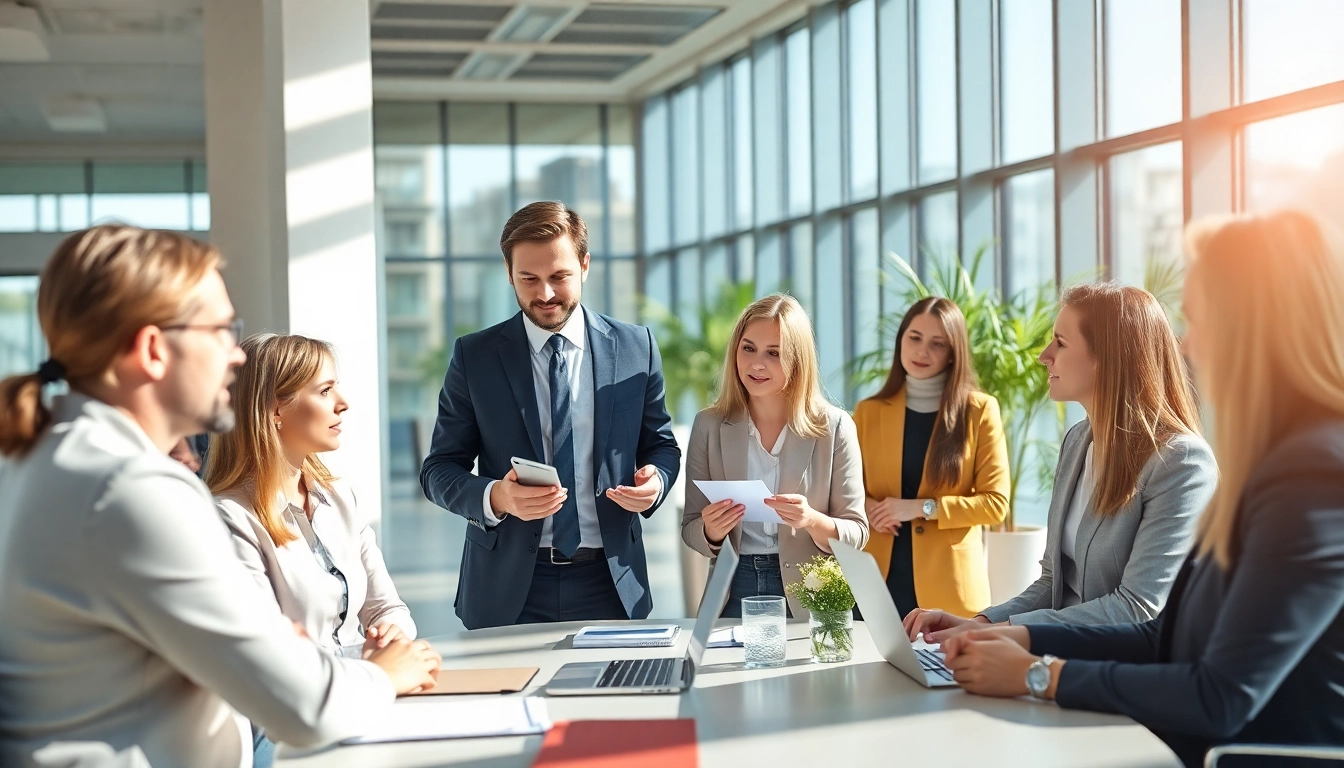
<point>289,149</point>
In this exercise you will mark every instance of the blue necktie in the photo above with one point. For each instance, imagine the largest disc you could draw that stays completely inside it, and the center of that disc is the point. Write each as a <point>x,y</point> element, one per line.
<point>565,529</point>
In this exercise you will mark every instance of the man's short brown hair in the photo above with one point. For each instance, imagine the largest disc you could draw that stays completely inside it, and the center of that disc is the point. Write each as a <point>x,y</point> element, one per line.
<point>542,222</point>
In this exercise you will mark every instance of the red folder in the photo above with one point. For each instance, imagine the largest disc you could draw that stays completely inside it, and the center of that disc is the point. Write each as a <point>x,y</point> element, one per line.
<point>620,744</point>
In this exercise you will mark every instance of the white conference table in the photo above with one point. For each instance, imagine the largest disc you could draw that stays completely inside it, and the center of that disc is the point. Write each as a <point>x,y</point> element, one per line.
<point>857,713</point>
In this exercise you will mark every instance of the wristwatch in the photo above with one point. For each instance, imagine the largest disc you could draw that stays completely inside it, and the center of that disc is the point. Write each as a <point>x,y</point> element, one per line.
<point>1038,676</point>
<point>928,508</point>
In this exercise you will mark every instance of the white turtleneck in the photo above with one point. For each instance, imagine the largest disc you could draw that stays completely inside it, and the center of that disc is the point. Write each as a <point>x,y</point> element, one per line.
<point>924,395</point>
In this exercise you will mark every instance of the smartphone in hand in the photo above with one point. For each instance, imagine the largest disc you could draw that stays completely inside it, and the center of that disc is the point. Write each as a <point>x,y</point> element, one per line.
<point>534,473</point>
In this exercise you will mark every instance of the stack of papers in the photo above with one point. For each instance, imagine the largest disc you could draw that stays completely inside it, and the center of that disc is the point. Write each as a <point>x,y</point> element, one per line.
<point>728,637</point>
<point>659,636</point>
<point>426,719</point>
<point>751,494</point>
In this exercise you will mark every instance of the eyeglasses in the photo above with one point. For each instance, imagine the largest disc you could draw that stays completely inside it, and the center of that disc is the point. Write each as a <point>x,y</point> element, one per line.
<point>235,328</point>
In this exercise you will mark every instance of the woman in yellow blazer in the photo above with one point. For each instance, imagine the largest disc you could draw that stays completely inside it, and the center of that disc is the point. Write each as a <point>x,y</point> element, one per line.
<point>935,466</point>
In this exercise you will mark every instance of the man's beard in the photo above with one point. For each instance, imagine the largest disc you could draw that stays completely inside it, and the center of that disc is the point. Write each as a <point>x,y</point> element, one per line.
<point>220,420</point>
<point>530,311</point>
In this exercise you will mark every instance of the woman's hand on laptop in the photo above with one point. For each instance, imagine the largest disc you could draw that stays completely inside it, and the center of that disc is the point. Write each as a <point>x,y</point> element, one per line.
<point>937,625</point>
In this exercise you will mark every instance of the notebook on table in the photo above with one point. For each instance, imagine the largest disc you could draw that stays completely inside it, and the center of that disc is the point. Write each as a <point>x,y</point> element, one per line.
<point>620,744</point>
<point>460,681</point>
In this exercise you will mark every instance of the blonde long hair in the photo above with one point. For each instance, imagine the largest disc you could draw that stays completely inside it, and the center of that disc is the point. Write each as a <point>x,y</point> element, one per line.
<point>1143,396</point>
<point>99,288</point>
<point>798,353</point>
<point>947,447</point>
<point>250,459</point>
<point>1270,291</point>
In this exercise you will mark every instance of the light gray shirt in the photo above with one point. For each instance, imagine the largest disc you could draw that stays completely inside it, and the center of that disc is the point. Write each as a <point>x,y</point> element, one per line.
<point>299,573</point>
<point>130,625</point>
<point>579,363</point>
<point>763,465</point>
<point>1079,507</point>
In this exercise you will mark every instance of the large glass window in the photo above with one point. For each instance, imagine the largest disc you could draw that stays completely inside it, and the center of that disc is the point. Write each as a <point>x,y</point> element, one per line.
<point>1147,212</point>
<point>866,284</point>
<point>767,117</point>
<point>657,178</point>
<point>861,74</point>
<point>798,123</point>
<point>621,180</point>
<point>743,160</point>
<point>1297,161</point>
<point>685,165</point>
<point>938,227</point>
<point>802,269</point>
<point>1029,231</point>
<point>1142,45</point>
<point>1026,79</point>
<point>21,344</point>
<point>936,89</point>
<point>714,171</point>
<point>1288,45</point>
<point>559,157</point>
<point>409,178</point>
<point>480,177</point>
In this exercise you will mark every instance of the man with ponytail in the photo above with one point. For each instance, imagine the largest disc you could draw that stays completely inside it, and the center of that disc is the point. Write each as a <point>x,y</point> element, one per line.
<point>132,631</point>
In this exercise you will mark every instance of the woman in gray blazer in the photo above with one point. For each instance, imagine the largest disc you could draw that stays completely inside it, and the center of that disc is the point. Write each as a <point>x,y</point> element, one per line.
<point>1250,648</point>
<point>1131,480</point>
<point>772,424</point>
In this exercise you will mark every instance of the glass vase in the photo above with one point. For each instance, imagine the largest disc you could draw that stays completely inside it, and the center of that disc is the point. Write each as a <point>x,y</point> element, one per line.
<point>832,635</point>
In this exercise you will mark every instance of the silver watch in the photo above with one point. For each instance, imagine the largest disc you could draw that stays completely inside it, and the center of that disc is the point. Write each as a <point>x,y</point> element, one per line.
<point>1038,676</point>
<point>928,508</point>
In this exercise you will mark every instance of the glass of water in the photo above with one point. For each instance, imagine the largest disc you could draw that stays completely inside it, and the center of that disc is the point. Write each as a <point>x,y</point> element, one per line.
<point>763,630</point>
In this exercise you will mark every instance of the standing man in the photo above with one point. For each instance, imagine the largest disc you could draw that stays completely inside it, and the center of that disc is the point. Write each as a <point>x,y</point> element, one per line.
<point>570,388</point>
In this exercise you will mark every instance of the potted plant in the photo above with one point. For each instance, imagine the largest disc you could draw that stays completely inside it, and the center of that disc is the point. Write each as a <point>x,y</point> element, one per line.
<point>1006,335</point>
<point>825,594</point>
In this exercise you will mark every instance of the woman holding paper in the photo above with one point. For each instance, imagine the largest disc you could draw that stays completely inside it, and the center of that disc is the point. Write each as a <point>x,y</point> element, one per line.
<point>771,423</point>
<point>935,466</point>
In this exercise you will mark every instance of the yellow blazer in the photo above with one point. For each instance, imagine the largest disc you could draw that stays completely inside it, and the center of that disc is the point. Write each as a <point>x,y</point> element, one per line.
<point>948,551</point>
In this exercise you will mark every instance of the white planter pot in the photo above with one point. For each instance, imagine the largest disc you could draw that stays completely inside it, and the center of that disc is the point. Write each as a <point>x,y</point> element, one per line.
<point>1014,560</point>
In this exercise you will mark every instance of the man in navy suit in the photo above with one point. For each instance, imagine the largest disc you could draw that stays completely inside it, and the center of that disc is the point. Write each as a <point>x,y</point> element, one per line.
<point>561,385</point>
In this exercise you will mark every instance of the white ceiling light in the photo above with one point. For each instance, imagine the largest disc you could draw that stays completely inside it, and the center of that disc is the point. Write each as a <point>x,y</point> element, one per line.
<point>533,23</point>
<point>75,115</point>
<point>22,37</point>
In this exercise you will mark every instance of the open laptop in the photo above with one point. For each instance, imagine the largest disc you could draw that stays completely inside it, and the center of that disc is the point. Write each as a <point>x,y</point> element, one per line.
<point>924,665</point>
<point>667,675</point>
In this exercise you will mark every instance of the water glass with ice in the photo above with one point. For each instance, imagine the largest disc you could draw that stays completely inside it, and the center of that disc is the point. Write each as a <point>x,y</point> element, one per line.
<point>763,630</point>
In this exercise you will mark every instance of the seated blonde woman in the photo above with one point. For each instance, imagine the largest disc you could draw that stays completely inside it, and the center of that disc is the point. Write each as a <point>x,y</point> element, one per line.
<point>772,424</point>
<point>294,525</point>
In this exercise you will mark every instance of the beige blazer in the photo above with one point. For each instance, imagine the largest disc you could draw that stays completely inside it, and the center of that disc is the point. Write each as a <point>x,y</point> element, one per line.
<point>827,470</point>
<point>306,592</point>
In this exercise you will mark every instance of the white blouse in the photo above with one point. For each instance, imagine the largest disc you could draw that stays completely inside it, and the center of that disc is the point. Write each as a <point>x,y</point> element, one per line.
<point>763,465</point>
<point>332,579</point>
<point>1079,506</point>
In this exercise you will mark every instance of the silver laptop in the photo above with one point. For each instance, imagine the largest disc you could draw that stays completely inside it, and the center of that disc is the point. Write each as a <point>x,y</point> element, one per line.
<point>667,675</point>
<point>924,665</point>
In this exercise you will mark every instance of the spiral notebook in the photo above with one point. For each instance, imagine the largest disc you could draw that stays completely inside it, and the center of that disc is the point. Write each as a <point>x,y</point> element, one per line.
<point>426,719</point>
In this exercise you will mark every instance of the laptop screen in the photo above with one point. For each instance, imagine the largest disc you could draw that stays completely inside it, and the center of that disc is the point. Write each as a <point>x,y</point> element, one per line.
<point>712,602</point>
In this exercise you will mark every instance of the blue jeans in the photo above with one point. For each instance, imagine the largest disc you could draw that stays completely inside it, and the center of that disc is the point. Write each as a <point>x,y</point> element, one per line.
<point>263,749</point>
<point>756,575</point>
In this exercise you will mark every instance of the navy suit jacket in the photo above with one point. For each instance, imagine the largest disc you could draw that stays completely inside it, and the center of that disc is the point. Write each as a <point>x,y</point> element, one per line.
<point>488,413</point>
<point>1251,654</point>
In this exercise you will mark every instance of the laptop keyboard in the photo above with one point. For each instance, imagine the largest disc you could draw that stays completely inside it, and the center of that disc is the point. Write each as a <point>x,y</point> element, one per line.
<point>932,661</point>
<point>637,673</point>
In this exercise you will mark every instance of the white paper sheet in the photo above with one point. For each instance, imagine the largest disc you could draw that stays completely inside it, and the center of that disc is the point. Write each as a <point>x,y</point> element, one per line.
<point>421,719</point>
<point>749,493</point>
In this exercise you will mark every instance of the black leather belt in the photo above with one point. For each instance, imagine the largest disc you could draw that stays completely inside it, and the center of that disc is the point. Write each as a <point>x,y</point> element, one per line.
<point>581,555</point>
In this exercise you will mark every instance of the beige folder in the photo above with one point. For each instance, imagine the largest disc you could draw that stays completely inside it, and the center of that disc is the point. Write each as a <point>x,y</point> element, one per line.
<point>502,680</point>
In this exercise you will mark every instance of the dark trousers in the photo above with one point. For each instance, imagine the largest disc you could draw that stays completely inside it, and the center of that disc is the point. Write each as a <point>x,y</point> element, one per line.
<point>756,576</point>
<point>577,592</point>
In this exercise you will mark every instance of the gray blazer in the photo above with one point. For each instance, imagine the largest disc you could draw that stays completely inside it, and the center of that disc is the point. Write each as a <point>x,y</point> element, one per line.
<point>1128,561</point>
<point>827,470</point>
